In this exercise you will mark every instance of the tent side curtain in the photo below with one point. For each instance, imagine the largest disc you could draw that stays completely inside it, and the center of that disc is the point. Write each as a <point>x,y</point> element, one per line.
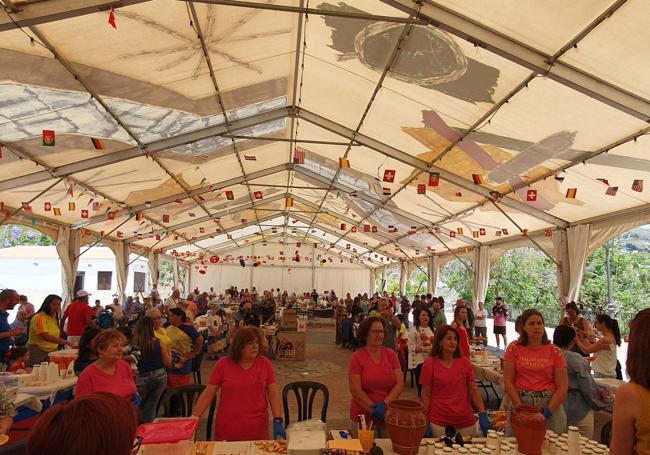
<point>68,248</point>
<point>578,243</point>
<point>481,275</point>
<point>433,266</point>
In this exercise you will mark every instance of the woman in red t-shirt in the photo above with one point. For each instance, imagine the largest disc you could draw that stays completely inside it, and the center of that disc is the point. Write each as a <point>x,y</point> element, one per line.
<point>448,385</point>
<point>535,372</point>
<point>247,383</point>
<point>374,375</point>
<point>461,325</point>
<point>109,373</point>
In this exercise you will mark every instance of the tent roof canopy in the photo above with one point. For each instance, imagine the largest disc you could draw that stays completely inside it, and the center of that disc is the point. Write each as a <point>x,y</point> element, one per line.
<point>380,130</point>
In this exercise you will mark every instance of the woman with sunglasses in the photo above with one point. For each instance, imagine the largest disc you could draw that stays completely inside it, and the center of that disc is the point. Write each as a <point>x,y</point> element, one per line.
<point>246,382</point>
<point>449,388</point>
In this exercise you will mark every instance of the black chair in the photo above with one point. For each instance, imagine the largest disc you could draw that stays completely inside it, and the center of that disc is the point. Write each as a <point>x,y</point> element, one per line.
<point>305,392</point>
<point>196,367</point>
<point>180,401</point>
<point>487,385</point>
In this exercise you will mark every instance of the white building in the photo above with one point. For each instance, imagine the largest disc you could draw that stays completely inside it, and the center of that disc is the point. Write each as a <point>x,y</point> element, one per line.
<point>36,272</point>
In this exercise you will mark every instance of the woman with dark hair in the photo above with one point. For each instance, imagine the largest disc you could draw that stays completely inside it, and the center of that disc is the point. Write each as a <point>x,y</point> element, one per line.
<point>604,349</point>
<point>109,373</point>
<point>44,331</point>
<point>374,375</point>
<point>583,394</point>
<point>186,343</point>
<point>87,354</point>
<point>420,339</point>
<point>535,372</point>
<point>449,388</point>
<point>152,376</point>
<point>631,428</point>
<point>98,424</point>
<point>461,324</point>
<point>247,384</point>
<point>572,318</point>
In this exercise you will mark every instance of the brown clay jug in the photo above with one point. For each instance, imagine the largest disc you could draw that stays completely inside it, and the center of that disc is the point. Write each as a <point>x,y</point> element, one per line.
<point>528,429</point>
<point>406,422</point>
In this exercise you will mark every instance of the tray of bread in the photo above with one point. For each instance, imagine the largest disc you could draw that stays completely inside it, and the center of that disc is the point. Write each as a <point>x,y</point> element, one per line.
<point>269,447</point>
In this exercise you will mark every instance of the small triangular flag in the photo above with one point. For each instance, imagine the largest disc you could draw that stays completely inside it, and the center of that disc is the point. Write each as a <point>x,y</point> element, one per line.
<point>111,19</point>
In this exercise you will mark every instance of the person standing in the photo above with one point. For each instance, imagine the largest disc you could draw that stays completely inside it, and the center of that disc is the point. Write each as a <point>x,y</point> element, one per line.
<point>247,383</point>
<point>604,349</point>
<point>172,300</point>
<point>631,427</point>
<point>26,307</point>
<point>45,332</point>
<point>449,388</point>
<point>535,372</point>
<point>8,300</point>
<point>480,322</point>
<point>438,317</point>
<point>79,315</point>
<point>571,317</point>
<point>420,339</point>
<point>374,375</point>
<point>500,315</point>
<point>152,376</point>
<point>186,343</point>
<point>462,327</point>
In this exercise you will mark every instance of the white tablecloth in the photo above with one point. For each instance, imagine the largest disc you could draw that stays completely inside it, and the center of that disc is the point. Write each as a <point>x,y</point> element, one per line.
<point>485,372</point>
<point>49,391</point>
<point>31,401</point>
<point>611,384</point>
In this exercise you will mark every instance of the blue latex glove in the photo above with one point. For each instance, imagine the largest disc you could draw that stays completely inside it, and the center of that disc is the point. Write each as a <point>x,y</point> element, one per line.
<point>378,410</point>
<point>278,430</point>
<point>484,422</point>
<point>428,433</point>
<point>136,399</point>
<point>547,413</point>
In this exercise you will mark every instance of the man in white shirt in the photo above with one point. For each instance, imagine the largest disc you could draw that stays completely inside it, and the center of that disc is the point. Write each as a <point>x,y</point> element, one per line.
<point>172,301</point>
<point>480,321</point>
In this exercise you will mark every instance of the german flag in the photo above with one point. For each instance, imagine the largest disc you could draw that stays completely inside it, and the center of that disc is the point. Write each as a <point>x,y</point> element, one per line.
<point>97,143</point>
<point>344,163</point>
<point>374,229</point>
<point>505,231</point>
<point>459,230</point>
<point>57,211</point>
<point>478,179</point>
<point>459,194</point>
<point>571,193</point>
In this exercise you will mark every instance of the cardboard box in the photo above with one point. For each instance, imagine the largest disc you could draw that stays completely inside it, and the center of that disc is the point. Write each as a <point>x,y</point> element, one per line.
<point>290,346</point>
<point>289,320</point>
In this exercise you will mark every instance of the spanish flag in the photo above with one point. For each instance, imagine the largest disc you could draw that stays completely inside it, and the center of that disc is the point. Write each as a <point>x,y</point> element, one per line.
<point>288,202</point>
<point>475,234</point>
<point>478,179</point>
<point>57,211</point>
<point>344,163</point>
<point>571,193</point>
<point>71,206</point>
<point>459,230</point>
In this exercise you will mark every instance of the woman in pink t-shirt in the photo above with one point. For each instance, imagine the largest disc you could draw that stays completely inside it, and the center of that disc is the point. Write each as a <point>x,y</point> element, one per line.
<point>448,385</point>
<point>535,372</point>
<point>247,383</point>
<point>374,375</point>
<point>109,373</point>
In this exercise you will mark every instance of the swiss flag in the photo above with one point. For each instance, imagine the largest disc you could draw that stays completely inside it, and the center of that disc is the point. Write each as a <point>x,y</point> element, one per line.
<point>257,194</point>
<point>84,214</point>
<point>531,195</point>
<point>389,175</point>
<point>48,207</point>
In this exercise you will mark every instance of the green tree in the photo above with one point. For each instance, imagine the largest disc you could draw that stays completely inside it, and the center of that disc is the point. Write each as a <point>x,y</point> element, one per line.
<point>15,235</point>
<point>457,277</point>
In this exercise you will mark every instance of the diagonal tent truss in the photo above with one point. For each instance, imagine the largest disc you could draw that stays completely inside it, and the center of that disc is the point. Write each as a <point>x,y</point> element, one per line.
<point>196,128</point>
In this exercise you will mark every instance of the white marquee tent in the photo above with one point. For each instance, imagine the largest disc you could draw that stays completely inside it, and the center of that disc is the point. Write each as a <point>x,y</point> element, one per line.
<point>379,133</point>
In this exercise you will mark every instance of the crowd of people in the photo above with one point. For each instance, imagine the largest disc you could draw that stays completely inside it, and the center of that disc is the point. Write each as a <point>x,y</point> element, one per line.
<point>147,348</point>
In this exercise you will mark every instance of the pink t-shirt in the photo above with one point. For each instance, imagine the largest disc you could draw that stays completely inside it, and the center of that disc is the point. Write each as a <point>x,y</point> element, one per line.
<point>450,400</point>
<point>243,404</point>
<point>534,367</point>
<point>376,379</point>
<point>121,383</point>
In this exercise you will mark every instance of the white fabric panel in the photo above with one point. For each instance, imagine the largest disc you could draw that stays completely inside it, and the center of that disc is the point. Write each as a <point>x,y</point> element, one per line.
<point>481,275</point>
<point>433,266</point>
<point>234,275</point>
<point>67,247</point>
<point>267,278</point>
<point>403,277</point>
<point>154,266</point>
<point>121,251</point>
<point>354,282</point>
<point>600,236</point>
<point>298,279</point>
<point>175,272</point>
<point>578,241</point>
<point>373,281</point>
<point>329,279</point>
<point>562,256</point>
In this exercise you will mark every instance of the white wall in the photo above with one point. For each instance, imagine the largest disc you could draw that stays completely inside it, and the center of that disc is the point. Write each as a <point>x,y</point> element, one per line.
<point>291,276</point>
